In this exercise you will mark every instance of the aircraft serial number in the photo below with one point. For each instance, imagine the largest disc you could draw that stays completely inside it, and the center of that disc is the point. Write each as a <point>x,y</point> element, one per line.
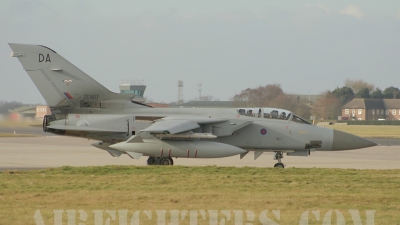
<point>90,96</point>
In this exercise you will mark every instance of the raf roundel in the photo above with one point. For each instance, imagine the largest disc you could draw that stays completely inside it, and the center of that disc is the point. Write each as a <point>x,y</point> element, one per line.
<point>263,131</point>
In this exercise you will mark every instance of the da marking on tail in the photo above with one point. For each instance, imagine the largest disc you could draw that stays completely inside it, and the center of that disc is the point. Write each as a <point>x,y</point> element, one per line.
<point>62,84</point>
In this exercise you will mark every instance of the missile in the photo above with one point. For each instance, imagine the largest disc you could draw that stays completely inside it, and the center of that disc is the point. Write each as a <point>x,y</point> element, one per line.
<point>173,148</point>
<point>186,136</point>
<point>105,146</point>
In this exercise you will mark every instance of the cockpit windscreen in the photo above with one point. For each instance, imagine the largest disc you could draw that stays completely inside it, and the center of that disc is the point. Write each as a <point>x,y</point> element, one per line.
<point>271,113</point>
<point>298,119</point>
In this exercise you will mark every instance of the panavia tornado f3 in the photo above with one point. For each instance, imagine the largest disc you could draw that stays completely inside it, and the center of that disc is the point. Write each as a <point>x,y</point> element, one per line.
<point>84,108</point>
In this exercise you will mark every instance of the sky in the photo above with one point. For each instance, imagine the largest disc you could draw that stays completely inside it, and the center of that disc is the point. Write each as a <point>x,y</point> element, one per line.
<point>307,47</point>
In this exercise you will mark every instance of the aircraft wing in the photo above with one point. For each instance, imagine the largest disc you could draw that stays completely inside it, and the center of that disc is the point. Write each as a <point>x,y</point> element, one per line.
<point>171,126</point>
<point>217,126</point>
<point>83,128</point>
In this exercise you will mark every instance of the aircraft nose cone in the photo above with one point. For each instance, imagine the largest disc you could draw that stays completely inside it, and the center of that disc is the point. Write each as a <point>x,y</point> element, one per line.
<point>346,141</point>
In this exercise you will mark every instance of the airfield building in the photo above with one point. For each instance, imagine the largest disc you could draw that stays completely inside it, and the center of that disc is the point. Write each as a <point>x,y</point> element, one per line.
<point>371,109</point>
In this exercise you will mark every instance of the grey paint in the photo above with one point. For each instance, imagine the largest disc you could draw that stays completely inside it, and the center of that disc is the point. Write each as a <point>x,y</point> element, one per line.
<point>131,128</point>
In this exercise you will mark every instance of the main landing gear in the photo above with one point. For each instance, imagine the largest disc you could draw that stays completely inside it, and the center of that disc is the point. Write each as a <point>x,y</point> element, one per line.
<point>160,161</point>
<point>279,156</point>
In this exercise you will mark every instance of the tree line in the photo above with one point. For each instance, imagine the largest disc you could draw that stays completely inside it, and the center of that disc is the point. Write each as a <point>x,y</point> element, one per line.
<point>271,95</point>
<point>5,106</point>
<point>327,106</point>
<point>361,89</point>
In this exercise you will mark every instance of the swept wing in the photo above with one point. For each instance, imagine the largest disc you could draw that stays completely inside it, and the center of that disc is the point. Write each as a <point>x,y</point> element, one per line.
<point>171,126</point>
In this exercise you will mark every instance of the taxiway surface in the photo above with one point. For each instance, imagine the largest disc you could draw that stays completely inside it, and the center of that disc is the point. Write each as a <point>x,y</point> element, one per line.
<point>18,153</point>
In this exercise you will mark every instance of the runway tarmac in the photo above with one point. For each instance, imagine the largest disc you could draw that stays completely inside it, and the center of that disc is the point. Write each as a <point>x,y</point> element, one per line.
<point>18,153</point>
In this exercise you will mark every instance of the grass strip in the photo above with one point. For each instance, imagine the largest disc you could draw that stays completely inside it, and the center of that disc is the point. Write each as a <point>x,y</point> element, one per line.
<point>370,130</point>
<point>292,191</point>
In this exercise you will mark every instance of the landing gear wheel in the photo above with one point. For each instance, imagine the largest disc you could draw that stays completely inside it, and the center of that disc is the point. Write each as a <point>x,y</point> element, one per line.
<point>165,161</point>
<point>45,123</point>
<point>172,161</point>
<point>151,161</point>
<point>279,156</point>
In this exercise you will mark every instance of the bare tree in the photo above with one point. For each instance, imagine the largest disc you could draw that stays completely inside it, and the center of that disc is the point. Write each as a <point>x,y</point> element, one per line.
<point>326,107</point>
<point>284,101</point>
<point>358,85</point>
<point>242,99</point>
<point>258,97</point>
<point>5,106</point>
<point>271,95</point>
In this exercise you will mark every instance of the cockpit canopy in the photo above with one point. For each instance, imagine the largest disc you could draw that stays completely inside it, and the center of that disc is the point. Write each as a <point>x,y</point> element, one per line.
<point>272,113</point>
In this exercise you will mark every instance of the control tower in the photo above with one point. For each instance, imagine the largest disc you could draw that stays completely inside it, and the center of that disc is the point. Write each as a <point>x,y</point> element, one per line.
<point>133,87</point>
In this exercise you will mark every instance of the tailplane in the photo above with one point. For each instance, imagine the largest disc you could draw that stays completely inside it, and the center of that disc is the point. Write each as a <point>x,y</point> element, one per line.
<point>62,84</point>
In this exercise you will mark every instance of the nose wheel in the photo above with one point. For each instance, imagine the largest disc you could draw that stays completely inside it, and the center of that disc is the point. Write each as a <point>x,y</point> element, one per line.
<point>279,156</point>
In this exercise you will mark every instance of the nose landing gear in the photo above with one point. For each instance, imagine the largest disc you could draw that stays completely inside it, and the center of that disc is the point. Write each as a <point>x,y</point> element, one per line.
<point>279,156</point>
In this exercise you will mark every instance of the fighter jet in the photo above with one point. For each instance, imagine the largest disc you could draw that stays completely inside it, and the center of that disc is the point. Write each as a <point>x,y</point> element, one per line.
<point>81,107</point>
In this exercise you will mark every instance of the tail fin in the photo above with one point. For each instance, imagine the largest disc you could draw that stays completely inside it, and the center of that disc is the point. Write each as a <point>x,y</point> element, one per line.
<point>60,82</point>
